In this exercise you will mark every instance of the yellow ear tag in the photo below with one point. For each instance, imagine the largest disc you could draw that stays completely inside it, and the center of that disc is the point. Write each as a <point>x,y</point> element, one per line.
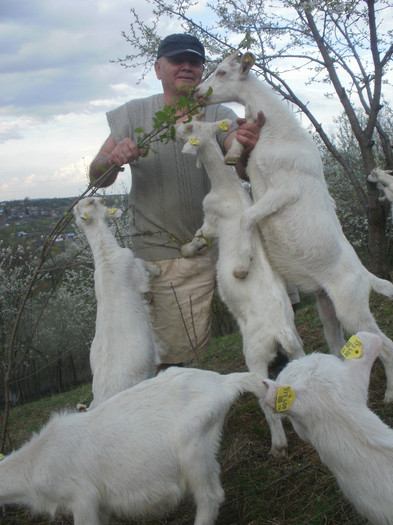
<point>223,125</point>
<point>112,211</point>
<point>285,397</point>
<point>352,348</point>
<point>194,142</point>
<point>87,216</point>
<point>1,457</point>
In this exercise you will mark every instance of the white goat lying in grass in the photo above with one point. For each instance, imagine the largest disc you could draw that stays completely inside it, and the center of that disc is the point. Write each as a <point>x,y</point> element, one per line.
<point>384,181</point>
<point>302,234</point>
<point>259,302</point>
<point>137,454</point>
<point>329,410</point>
<point>124,351</point>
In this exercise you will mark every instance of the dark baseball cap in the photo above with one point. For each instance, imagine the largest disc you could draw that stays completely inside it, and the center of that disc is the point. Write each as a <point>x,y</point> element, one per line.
<point>179,43</point>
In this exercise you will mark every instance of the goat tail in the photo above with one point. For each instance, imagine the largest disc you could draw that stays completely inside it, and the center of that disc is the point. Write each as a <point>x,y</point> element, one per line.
<point>381,286</point>
<point>247,382</point>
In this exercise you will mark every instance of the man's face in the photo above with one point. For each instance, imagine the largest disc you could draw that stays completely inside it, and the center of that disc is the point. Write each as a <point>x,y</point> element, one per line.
<point>179,73</point>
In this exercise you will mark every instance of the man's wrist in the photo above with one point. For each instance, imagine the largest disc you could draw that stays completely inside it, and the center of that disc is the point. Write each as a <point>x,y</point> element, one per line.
<point>101,165</point>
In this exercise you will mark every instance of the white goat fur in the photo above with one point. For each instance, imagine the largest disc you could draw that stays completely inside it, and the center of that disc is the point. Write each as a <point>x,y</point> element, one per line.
<point>303,237</point>
<point>259,302</point>
<point>384,181</point>
<point>330,412</point>
<point>137,454</point>
<point>123,351</point>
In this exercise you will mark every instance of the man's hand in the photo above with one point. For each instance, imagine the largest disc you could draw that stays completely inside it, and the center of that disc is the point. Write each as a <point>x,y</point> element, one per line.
<point>248,132</point>
<point>124,152</point>
<point>112,154</point>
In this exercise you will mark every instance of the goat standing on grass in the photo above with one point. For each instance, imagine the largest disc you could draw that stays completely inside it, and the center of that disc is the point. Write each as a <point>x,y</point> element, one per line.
<point>137,454</point>
<point>259,301</point>
<point>124,351</point>
<point>329,410</point>
<point>302,233</point>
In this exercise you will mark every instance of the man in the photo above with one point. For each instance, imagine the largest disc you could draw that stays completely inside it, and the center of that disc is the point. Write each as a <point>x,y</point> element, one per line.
<point>166,200</point>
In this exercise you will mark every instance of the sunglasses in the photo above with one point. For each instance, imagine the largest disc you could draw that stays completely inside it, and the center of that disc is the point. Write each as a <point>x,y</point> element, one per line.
<point>179,59</point>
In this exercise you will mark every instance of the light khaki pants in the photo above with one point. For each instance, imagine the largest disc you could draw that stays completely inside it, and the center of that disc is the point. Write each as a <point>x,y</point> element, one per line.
<point>180,306</point>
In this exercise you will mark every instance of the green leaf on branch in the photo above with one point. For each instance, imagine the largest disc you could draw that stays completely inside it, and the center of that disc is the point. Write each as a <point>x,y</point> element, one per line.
<point>165,119</point>
<point>248,41</point>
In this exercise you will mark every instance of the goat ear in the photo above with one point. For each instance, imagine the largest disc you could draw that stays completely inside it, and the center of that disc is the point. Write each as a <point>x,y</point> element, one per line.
<point>199,116</point>
<point>360,358</point>
<point>279,398</point>
<point>188,148</point>
<point>271,393</point>
<point>224,125</point>
<point>248,60</point>
<point>114,213</point>
<point>234,58</point>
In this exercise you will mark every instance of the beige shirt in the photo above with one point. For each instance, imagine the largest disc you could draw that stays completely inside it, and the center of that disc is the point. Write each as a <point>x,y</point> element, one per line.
<point>167,188</point>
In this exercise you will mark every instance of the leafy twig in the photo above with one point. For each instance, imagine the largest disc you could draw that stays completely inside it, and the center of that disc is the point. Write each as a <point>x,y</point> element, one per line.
<point>164,122</point>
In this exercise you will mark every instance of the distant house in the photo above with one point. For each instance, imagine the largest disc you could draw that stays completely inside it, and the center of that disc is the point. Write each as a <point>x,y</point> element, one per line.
<point>21,234</point>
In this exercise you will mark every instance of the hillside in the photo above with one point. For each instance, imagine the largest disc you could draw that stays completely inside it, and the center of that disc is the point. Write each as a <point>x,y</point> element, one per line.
<point>30,220</point>
<point>260,490</point>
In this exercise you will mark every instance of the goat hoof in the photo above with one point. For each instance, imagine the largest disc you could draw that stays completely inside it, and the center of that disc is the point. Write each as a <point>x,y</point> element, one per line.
<point>186,251</point>
<point>240,273</point>
<point>278,452</point>
<point>231,161</point>
<point>154,270</point>
<point>388,399</point>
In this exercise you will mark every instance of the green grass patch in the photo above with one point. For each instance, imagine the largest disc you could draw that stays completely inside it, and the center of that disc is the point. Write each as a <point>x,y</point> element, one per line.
<point>259,489</point>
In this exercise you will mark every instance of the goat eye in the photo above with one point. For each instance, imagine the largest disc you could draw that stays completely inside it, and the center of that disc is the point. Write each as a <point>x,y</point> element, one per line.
<point>221,73</point>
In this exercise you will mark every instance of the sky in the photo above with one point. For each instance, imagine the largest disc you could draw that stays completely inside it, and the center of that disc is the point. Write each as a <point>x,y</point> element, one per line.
<point>57,83</point>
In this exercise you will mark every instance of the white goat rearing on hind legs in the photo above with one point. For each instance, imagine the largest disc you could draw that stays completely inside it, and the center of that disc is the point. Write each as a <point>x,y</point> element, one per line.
<point>259,302</point>
<point>384,181</point>
<point>124,351</point>
<point>137,454</point>
<point>292,205</point>
<point>329,411</point>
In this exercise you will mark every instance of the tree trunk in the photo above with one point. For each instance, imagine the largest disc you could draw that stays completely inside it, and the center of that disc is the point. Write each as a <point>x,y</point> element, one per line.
<point>377,240</point>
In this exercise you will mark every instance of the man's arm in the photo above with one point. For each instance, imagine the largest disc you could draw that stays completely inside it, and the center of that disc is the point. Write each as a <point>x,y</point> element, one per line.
<point>112,154</point>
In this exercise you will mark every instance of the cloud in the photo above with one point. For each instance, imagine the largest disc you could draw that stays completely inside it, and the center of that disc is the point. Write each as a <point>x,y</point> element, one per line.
<point>55,54</point>
<point>54,127</point>
<point>57,82</point>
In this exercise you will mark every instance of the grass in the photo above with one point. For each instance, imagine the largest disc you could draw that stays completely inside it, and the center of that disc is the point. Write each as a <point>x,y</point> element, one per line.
<point>259,489</point>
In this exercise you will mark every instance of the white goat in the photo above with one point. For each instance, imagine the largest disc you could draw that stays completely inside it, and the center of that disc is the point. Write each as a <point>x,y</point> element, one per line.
<point>124,351</point>
<point>384,181</point>
<point>259,301</point>
<point>137,454</point>
<point>302,234</point>
<point>329,410</point>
